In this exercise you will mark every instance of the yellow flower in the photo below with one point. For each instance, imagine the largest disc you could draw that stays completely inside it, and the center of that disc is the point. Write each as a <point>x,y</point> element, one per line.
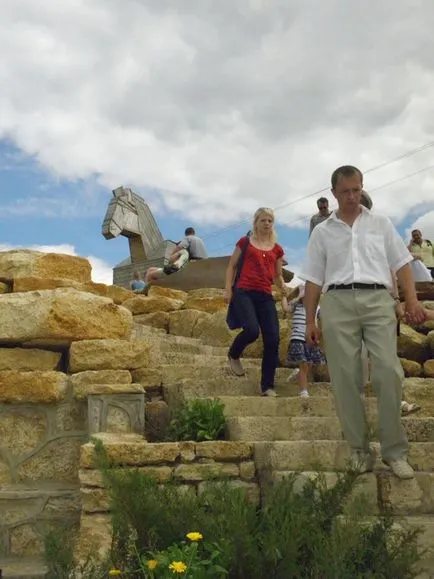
<point>114,572</point>
<point>152,564</point>
<point>178,567</point>
<point>194,536</point>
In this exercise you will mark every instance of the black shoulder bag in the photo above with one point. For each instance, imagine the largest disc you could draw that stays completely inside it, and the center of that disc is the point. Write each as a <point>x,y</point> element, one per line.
<point>231,317</point>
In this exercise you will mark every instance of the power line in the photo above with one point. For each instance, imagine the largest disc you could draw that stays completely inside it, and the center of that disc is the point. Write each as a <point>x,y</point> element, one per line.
<point>375,168</point>
<point>423,170</point>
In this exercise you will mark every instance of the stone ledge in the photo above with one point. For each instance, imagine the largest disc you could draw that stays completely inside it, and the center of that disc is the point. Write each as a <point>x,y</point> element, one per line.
<point>133,450</point>
<point>55,318</point>
<point>101,377</point>
<point>108,354</point>
<point>36,387</point>
<point>82,391</point>
<point>224,450</point>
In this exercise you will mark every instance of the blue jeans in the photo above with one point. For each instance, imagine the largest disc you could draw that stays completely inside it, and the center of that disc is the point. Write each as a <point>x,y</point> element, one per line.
<point>257,311</point>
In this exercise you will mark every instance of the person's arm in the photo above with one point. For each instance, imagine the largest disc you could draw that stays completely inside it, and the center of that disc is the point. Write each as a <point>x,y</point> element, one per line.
<point>278,280</point>
<point>414,311</point>
<point>230,273</point>
<point>312,294</point>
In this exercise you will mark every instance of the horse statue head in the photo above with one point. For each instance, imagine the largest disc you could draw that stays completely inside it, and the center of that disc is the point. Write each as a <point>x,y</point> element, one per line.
<point>129,215</point>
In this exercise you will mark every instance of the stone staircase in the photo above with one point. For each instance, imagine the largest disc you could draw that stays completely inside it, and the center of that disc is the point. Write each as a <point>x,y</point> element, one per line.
<point>291,435</point>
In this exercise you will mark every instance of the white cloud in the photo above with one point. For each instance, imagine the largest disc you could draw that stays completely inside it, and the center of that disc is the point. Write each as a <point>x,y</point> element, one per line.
<point>101,271</point>
<point>222,106</point>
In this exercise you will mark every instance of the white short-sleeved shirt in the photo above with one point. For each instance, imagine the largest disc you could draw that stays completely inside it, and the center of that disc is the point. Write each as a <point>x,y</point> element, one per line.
<point>363,253</point>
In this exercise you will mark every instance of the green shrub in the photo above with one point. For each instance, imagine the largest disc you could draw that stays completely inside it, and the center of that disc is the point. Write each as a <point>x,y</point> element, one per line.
<point>199,420</point>
<point>300,532</point>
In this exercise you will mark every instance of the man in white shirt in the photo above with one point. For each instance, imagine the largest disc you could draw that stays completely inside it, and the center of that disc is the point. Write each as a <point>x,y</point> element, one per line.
<point>349,258</point>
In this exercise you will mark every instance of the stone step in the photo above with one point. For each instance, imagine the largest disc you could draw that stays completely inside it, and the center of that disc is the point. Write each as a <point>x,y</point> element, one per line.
<point>223,383</point>
<point>23,568</point>
<point>381,489</point>
<point>263,428</point>
<point>206,360</point>
<point>328,455</point>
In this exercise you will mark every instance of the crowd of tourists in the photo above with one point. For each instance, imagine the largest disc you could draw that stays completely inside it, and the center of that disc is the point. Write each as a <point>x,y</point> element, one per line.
<point>355,263</point>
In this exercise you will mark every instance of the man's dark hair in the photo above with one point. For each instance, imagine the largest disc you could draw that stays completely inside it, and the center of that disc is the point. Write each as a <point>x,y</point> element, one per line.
<point>345,171</point>
<point>322,200</point>
<point>189,231</point>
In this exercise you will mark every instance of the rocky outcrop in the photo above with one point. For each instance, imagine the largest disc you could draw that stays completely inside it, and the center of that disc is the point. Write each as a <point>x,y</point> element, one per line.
<point>58,317</point>
<point>24,263</point>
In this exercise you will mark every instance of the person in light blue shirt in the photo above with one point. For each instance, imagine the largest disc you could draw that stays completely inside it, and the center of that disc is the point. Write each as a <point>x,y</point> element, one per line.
<point>137,285</point>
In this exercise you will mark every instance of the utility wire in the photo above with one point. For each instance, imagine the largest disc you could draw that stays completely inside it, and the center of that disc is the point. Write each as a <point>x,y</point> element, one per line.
<point>299,219</point>
<point>375,168</point>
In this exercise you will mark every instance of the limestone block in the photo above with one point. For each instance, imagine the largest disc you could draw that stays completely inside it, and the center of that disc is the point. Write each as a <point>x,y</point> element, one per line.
<point>83,391</point>
<point>58,317</point>
<point>213,330</point>
<point>94,537</point>
<point>108,354</point>
<point>147,305</point>
<point>156,320</point>
<point>95,500</point>
<point>4,288</point>
<point>411,369</point>
<point>198,472</point>
<point>148,377</point>
<point>156,291</point>
<point>224,450</point>
<point>119,294</point>
<point>26,263</point>
<point>100,377</point>
<point>21,431</point>
<point>405,496</point>
<point>412,345</point>
<point>25,541</point>
<point>27,359</point>
<point>30,284</point>
<point>428,368</point>
<point>208,293</point>
<point>247,470</point>
<point>130,450</point>
<point>57,461</point>
<point>210,305</point>
<point>182,322</point>
<point>32,387</point>
<point>93,478</point>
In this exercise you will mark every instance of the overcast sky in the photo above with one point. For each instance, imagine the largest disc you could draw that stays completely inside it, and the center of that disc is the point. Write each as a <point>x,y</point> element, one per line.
<point>210,109</point>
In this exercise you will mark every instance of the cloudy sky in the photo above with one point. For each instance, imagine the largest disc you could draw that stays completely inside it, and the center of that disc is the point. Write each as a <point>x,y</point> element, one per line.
<point>209,109</point>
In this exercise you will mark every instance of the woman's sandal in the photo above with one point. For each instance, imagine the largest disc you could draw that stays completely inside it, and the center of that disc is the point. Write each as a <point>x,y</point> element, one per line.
<point>409,407</point>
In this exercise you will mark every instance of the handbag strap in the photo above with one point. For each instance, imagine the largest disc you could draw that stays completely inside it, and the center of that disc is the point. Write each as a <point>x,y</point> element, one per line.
<point>241,260</point>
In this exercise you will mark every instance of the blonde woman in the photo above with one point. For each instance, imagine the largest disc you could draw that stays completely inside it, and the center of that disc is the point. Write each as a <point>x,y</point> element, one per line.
<point>251,298</point>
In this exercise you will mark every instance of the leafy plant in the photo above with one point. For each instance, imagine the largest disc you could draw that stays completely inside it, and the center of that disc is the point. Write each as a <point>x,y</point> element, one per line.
<point>199,420</point>
<point>192,559</point>
<point>308,531</point>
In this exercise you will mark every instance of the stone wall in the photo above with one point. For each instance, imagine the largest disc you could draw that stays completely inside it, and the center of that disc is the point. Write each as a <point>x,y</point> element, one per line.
<point>191,464</point>
<point>65,372</point>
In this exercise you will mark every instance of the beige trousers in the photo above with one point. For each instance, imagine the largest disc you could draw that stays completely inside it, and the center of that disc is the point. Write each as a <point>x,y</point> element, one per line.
<point>348,317</point>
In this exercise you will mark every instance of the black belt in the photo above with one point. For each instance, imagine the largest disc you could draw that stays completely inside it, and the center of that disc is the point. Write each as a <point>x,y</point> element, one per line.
<point>360,286</point>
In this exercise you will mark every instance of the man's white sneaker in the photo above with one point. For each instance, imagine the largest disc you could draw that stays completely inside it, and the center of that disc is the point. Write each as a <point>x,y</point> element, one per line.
<point>269,392</point>
<point>362,462</point>
<point>401,468</point>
